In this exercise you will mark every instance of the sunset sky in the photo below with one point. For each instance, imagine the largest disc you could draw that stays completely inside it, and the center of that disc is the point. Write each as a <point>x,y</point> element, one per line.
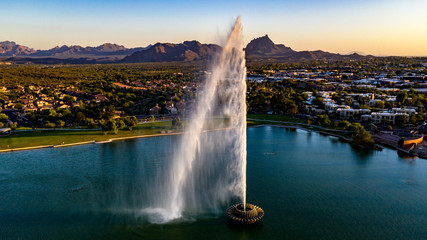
<point>378,27</point>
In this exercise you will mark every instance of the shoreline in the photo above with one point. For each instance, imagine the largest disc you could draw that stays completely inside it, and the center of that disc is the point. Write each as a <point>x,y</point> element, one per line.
<point>100,142</point>
<point>305,129</point>
<point>88,142</point>
<point>348,140</point>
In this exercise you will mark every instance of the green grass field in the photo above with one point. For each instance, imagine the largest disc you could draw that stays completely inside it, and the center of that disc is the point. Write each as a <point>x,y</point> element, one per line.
<point>276,118</point>
<point>58,137</point>
<point>22,139</point>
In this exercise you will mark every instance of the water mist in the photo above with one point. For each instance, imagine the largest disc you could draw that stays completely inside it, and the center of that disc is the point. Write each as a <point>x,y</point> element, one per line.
<point>209,168</point>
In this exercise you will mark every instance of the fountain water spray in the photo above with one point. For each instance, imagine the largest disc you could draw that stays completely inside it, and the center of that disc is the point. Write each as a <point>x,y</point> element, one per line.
<point>209,169</point>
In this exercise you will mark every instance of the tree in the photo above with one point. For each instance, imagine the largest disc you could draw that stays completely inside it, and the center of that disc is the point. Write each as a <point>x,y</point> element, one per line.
<point>32,116</point>
<point>66,113</point>
<point>109,112</point>
<point>131,122</point>
<point>324,120</point>
<point>318,101</point>
<point>388,105</point>
<point>48,124</point>
<point>80,117</point>
<point>379,104</point>
<point>120,123</point>
<point>51,115</point>
<point>108,125</point>
<point>3,117</point>
<point>360,136</point>
<point>401,98</point>
<point>13,125</point>
<point>310,120</point>
<point>282,103</point>
<point>420,115</point>
<point>336,97</point>
<point>60,123</point>
<point>19,106</point>
<point>90,123</point>
<point>348,101</point>
<point>112,125</point>
<point>68,99</point>
<point>400,120</point>
<point>412,119</point>
<point>103,124</point>
<point>344,124</point>
<point>364,106</point>
<point>177,123</point>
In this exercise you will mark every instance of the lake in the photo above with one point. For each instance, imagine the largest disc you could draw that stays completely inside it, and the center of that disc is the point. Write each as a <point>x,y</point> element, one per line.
<point>310,186</point>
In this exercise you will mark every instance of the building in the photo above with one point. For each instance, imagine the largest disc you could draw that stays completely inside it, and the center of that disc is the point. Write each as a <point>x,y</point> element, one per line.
<point>380,117</point>
<point>155,110</point>
<point>351,114</point>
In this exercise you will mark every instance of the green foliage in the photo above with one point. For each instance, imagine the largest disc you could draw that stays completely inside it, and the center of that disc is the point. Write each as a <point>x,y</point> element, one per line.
<point>400,120</point>
<point>344,124</point>
<point>324,120</point>
<point>60,123</point>
<point>108,125</point>
<point>18,106</point>
<point>318,101</point>
<point>90,123</point>
<point>120,123</point>
<point>413,119</point>
<point>364,106</point>
<point>379,104</point>
<point>401,98</point>
<point>420,115</point>
<point>48,124</point>
<point>68,99</point>
<point>3,117</point>
<point>13,125</point>
<point>177,123</point>
<point>131,122</point>
<point>80,117</point>
<point>348,101</point>
<point>360,136</point>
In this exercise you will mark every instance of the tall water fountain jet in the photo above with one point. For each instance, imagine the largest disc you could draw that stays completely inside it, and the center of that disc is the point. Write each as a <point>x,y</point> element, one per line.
<point>209,169</point>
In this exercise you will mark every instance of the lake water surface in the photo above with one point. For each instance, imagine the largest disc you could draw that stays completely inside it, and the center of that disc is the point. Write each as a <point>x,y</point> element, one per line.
<point>310,186</point>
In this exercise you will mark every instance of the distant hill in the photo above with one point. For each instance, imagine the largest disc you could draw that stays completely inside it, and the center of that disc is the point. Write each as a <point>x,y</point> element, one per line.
<point>11,49</point>
<point>264,46</point>
<point>8,48</point>
<point>168,52</point>
<point>259,50</point>
<point>264,49</point>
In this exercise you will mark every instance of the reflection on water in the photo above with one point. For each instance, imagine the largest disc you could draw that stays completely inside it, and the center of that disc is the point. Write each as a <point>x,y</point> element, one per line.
<point>310,187</point>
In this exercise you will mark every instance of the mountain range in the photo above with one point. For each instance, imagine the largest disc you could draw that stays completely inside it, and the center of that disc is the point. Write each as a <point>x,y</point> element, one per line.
<point>167,52</point>
<point>11,49</point>
<point>259,49</point>
<point>263,49</point>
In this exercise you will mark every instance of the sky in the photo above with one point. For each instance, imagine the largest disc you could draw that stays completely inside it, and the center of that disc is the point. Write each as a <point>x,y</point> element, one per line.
<point>378,27</point>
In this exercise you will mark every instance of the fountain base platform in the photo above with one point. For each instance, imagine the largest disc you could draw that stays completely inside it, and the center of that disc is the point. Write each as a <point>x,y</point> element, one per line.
<point>250,215</point>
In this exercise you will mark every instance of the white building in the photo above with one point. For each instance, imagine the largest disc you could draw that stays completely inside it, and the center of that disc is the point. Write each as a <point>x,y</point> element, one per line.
<point>379,117</point>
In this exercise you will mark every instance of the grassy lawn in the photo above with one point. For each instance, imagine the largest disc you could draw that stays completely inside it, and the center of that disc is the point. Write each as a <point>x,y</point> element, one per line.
<point>57,137</point>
